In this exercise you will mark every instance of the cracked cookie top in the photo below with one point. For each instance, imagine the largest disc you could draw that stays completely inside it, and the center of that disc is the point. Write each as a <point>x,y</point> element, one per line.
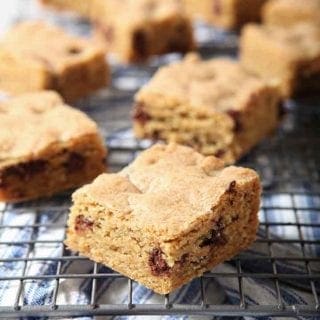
<point>32,123</point>
<point>218,84</point>
<point>47,46</point>
<point>167,189</point>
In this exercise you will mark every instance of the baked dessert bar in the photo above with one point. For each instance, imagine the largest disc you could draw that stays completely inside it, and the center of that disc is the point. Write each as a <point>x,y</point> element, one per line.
<point>290,12</point>
<point>213,106</point>
<point>229,14</point>
<point>81,7</point>
<point>36,56</point>
<point>46,147</point>
<point>290,55</point>
<point>172,214</point>
<point>135,30</point>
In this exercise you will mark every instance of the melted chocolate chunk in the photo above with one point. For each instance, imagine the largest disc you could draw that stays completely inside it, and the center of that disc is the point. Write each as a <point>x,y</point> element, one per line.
<point>83,224</point>
<point>220,153</point>
<point>216,236</point>
<point>23,171</point>
<point>235,218</point>
<point>155,135</point>
<point>140,115</point>
<point>74,50</point>
<point>235,115</point>
<point>157,263</point>
<point>75,162</point>
<point>217,8</point>
<point>2,182</point>
<point>178,45</point>
<point>282,111</point>
<point>232,186</point>
<point>140,43</point>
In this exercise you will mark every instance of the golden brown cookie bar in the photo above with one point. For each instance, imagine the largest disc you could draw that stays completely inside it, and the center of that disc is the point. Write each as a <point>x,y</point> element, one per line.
<point>36,56</point>
<point>229,14</point>
<point>292,56</point>
<point>290,12</point>
<point>172,214</point>
<point>46,147</point>
<point>213,106</point>
<point>135,30</point>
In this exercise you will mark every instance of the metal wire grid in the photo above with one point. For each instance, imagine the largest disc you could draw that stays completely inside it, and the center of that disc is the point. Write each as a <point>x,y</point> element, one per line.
<point>273,159</point>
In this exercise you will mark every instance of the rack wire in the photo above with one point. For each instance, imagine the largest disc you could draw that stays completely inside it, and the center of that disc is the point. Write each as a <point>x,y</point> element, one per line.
<point>288,163</point>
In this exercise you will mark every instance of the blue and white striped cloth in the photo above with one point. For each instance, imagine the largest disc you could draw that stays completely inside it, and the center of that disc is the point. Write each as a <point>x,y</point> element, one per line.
<point>224,290</point>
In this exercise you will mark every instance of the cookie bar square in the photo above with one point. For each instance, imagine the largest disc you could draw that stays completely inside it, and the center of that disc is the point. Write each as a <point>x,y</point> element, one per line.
<point>214,106</point>
<point>288,55</point>
<point>46,147</point>
<point>172,214</point>
<point>290,12</point>
<point>229,14</point>
<point>36,56</point>
<point>135,30</point>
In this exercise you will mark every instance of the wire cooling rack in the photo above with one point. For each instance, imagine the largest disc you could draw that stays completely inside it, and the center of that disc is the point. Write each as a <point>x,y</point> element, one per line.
<point>32,254</point>
<point>289,167</point>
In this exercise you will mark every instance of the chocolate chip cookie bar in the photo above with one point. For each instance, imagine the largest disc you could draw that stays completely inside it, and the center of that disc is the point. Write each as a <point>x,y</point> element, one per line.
<point>135,30</point>
<point>229,14</point>
<point>36,56</point>
<point>290,12</point>
<point>172,214</point>
<point>289,55</point>
<point>213,106</point>
<point>46,147</point>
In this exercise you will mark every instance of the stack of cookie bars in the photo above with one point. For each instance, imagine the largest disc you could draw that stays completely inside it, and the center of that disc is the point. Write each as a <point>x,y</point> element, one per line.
<point>177,210</point>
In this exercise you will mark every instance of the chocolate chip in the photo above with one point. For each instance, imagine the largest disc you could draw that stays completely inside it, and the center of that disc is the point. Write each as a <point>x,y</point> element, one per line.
<point>232,186</point>
<point>157,263</point>
<point>235,115</point>
<point>177,46</point>
<point>23,171</point>
<point>155,135</point>
<point>73,50</point>
<point>83,224</point>
<point>220,153</point>
<point>217,8</point>
<point>3,185</point>
<point>282,111</point>
<point>235,218</point>
<point>139,114</point>
<point>216,236</point>
<point>140,43</point>
<point>75,162</point>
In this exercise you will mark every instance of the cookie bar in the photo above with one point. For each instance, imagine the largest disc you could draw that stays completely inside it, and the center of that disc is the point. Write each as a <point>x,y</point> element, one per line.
<point>81,7</point>
<point>172,214</point>
<point>292,56</point>
<point>135,30</point>
<point>229,14</point>
<point>46,147</point>
<point>213,106</point>
<point>36,56</point>
<point>290,12</point>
